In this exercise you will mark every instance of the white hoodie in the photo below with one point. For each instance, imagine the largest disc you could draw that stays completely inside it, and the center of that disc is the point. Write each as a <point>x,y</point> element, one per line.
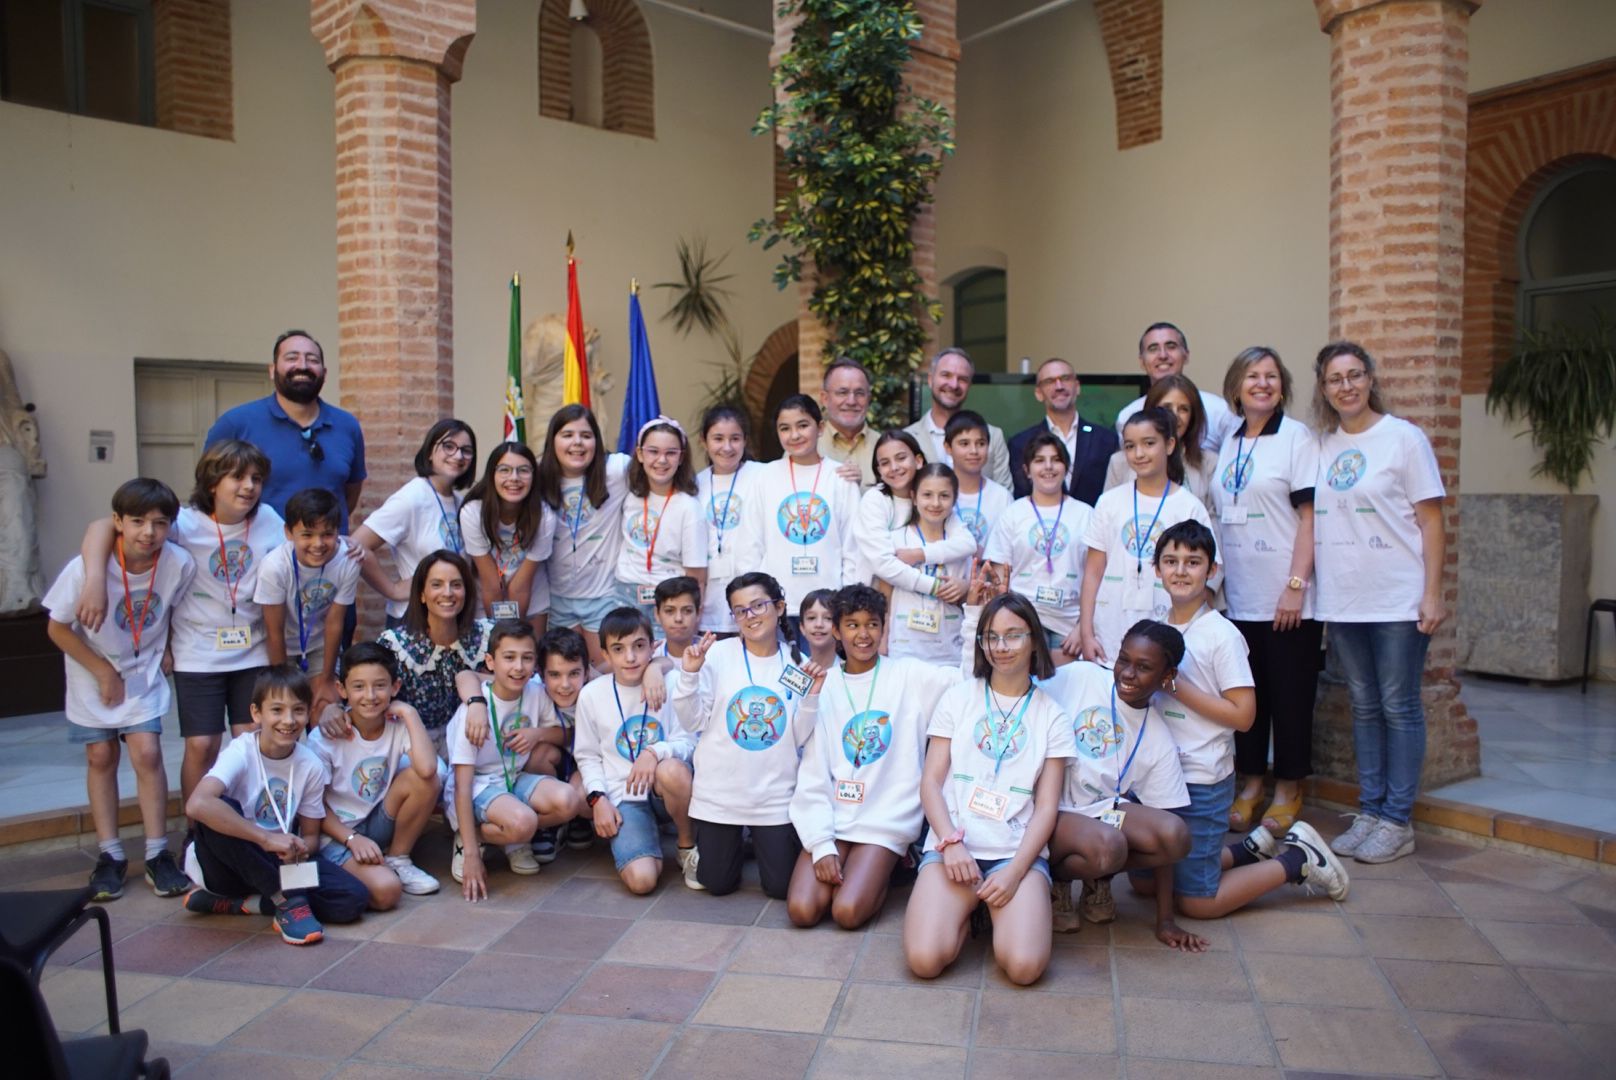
<point>860,774</point>
<point>607,742</point>
<point>750,728</point>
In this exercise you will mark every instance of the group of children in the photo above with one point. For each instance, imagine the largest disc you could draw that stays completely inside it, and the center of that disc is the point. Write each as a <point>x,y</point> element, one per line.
<point>851,686</point>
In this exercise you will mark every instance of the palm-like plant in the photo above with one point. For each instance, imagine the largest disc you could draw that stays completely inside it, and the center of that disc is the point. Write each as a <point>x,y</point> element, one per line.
<point>1563,383</point>
<point>699,300</point>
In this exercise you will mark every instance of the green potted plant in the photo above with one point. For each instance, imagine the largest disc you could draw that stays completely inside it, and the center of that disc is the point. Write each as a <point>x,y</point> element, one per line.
<point>1562,382</point>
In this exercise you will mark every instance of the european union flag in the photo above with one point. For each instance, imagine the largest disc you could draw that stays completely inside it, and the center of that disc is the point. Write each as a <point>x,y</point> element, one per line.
<point>640,404</point>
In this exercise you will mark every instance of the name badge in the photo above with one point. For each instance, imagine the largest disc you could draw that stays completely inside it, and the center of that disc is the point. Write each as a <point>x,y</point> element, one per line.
<point>1233,515</point>
<point>136,683</point>
<point>1113,818</point>
<point>1048,594</point>
<point>796,680</point>
<point>505,609</point>
<point>924,621</point>
<point>804,565</point>
<point>300,875</point>
<point>233,637</point>
<point>646,594</point>
<point>850,791</point>
<point>988,804</point>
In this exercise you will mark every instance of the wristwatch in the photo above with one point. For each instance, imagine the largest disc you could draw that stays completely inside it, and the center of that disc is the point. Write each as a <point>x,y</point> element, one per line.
<point>1296,583</point>
<point>593,797</point>
<point>479,699</point>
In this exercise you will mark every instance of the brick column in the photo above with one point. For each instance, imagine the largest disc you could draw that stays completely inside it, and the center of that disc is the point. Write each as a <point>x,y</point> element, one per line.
<point>1398,93</point>
<point>394,61</point>
<point>930,74</point>
<point>191,43</point>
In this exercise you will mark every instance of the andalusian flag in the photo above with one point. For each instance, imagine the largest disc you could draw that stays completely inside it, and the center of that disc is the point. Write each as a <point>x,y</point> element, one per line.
<point>515,413</point>
<point>574,369</point>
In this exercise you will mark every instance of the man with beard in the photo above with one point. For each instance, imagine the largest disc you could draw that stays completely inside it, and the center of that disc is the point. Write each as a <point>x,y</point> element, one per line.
<point>1088,448</point>
<point>310,443</point>
<point>950,380</point>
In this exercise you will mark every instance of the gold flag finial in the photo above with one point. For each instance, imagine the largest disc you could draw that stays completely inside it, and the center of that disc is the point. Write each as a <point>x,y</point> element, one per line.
<point>634,286</point>
<point>569,243</point>
<point>516,281</point>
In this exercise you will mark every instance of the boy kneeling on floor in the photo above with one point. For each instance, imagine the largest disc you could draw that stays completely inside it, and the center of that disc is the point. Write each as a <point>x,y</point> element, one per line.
<point>262,862</point>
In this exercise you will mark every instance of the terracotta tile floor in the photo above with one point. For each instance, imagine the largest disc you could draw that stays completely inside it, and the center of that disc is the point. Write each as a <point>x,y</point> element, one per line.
<point>1460,961</point>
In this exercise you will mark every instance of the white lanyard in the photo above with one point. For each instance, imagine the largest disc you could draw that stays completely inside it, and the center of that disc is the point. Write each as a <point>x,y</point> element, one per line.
<point>269,793</point>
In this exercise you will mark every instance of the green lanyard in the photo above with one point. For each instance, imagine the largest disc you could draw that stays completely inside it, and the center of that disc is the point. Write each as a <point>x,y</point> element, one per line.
<point>499,737</point>
<point>870,698</point>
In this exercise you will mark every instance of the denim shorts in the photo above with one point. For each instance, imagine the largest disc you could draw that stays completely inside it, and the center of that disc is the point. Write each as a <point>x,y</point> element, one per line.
<point>375,825</point>
<point>84,734</point>
<point>1207,815</point>
<point>523,788</point>
<point>988,866</point>
<point>640,834</point>
<point>584,611</point>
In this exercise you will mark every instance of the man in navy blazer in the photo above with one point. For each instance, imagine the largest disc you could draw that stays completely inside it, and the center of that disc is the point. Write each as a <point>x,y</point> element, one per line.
<point>1089,446</point>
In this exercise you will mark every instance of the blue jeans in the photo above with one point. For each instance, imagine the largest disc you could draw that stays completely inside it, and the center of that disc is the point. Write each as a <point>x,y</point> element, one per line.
<point>1383,663</point>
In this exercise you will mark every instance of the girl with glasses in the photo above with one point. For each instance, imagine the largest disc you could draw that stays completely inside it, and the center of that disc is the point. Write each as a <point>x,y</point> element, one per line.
<point>423,516</point>
<point>664,535</point>
<point>508,534</point>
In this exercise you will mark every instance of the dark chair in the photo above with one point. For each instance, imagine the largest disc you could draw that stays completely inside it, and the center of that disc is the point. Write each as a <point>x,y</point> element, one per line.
<point>1588,639</point>
<point>36,1051</point>
<point>35,924</point>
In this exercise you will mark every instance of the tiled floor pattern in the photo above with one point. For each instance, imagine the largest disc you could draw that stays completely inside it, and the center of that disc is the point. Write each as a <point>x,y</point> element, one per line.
<point>1459,961</point>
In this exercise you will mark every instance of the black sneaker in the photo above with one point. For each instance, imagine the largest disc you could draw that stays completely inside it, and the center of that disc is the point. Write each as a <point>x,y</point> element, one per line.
<point>580,834</point>
<point>107,878</point>
<point>165,876</point>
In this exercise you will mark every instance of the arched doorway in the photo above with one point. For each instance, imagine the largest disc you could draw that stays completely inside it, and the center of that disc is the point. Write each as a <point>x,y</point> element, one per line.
<point>771,379</point>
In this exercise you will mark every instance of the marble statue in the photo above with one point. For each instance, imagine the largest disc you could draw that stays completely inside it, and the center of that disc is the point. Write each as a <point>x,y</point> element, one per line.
<point>543,347</point>
<point>21,581</point>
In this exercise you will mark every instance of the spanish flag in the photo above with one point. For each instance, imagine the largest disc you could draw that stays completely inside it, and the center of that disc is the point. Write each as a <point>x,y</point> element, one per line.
<point>574,366</point>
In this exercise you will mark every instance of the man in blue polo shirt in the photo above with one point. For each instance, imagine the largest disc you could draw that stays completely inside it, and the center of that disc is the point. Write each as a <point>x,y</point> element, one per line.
<point>310,443</point>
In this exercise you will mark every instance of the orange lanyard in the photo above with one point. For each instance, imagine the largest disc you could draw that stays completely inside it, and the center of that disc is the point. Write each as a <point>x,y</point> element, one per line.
<point>804,510</point>
<point>224,566</point>
<point>645,526</point>
<point>137,626</point>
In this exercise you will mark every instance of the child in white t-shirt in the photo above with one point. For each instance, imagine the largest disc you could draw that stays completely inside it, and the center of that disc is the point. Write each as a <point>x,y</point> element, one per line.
<point>382,779</point>
<point>664,534</point>
<point>925,600</point>
<point>508,535</point>
<point>305,588</point>
<point>495,798</point>
<point>633,767</point>
<point>256,820</point>
<point>887,505</point>
<point>981,501</point>
<point>117,688</point>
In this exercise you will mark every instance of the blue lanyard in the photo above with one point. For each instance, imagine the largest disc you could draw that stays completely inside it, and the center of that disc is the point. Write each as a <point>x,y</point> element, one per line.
<point>718,520</point>
<point>639,743</point>
<point>1005,727</point>
<point>746,655</point>
<point>1241,466</point>
<point>450,529</point>
<point>1049,534</point>
<point>1116,802</point>
<point>920,542</point>
<point>577,516</point>
<point>302,629</point>
<point>1139,540</point>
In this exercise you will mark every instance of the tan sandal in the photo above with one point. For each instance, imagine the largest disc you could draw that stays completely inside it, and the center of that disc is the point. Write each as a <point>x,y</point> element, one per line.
<point>1242,811</point>
<point>1281,816</point>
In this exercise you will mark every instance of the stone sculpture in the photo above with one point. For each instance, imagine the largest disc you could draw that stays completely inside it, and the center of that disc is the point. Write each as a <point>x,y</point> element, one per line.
<point>543,349</point>
<point>21,581</point>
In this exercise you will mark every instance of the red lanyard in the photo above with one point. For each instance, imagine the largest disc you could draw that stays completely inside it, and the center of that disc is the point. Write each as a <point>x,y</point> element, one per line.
<point>137,626</point>
<point>645,526</point>
<point>804,509</point>
<point>224,566</point>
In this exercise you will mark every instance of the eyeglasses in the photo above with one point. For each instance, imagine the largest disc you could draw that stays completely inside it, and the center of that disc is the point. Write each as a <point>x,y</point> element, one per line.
<point>1348,378</point>
<point>455,450</point>
<point>850,394</point>
<point>752,610</point>
<point>505,472</point>
<point>1015,639</point>
<point>312,445</point>
<point>1057,380</point>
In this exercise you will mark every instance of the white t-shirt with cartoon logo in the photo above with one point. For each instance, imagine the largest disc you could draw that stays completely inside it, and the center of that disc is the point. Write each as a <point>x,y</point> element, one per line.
<point>1216,658</point>
<point>1130,590</point>
<point>1251,495</point>
<point>669,535</point>
<point>319,587</point>
<point>145,689</point>
<point>1109,742</point>
<point>359,770</point>
<point>607,742</point>
<point>731,550</point>
<point>416,521</point>
<point>1368,558</point>
<point>979,512</point>
<point>296,782</point>
<point>1043,546</point>
<point>491,762</point>
<point>805,517</point>
<point>583,560</point>
<point>508,556</point>
<point>207,636</point>
<point>999,747</point>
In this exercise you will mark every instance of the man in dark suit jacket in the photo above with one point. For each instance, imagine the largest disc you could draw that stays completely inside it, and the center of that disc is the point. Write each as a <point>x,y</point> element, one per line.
<point>1090,445</point>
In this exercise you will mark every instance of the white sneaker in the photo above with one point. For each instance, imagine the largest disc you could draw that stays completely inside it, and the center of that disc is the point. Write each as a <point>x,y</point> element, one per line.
<point>1389,841</point>
<point>1261,843</point>
<point>1064,918</point>
<point>1350,841</point>
<point>688,858</point>
<point>416,882</point>
<point>1322,868</point>
<point>457,861</point>
<point>1097,904</point>
<point>520,856</point>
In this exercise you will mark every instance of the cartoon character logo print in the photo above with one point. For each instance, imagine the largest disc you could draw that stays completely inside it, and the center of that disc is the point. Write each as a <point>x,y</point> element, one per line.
<point>506,552</point>
<point>573,504</point>
<point>973,521</point>
<point>238,559</point>
<point>866,737</point>
<point>756,717</point>
<point>641,527</point>
<point>724,513</point>
<point>1130,540</point>
<point>1346,470</point>
<point>276,789</point>
<point>1097,736</point>
<point>369,778</point>
<point>317,596</point>
<point>635,734</point>
<point>1233,483</point>
<point>449,533</point>
<point>803,517</point>
<point>1000,738</point>
<point>1039,535</point>
<point>149,604</point>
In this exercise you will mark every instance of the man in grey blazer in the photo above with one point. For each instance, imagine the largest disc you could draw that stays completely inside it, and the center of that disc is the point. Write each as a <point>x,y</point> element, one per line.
<point>949,377</point>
